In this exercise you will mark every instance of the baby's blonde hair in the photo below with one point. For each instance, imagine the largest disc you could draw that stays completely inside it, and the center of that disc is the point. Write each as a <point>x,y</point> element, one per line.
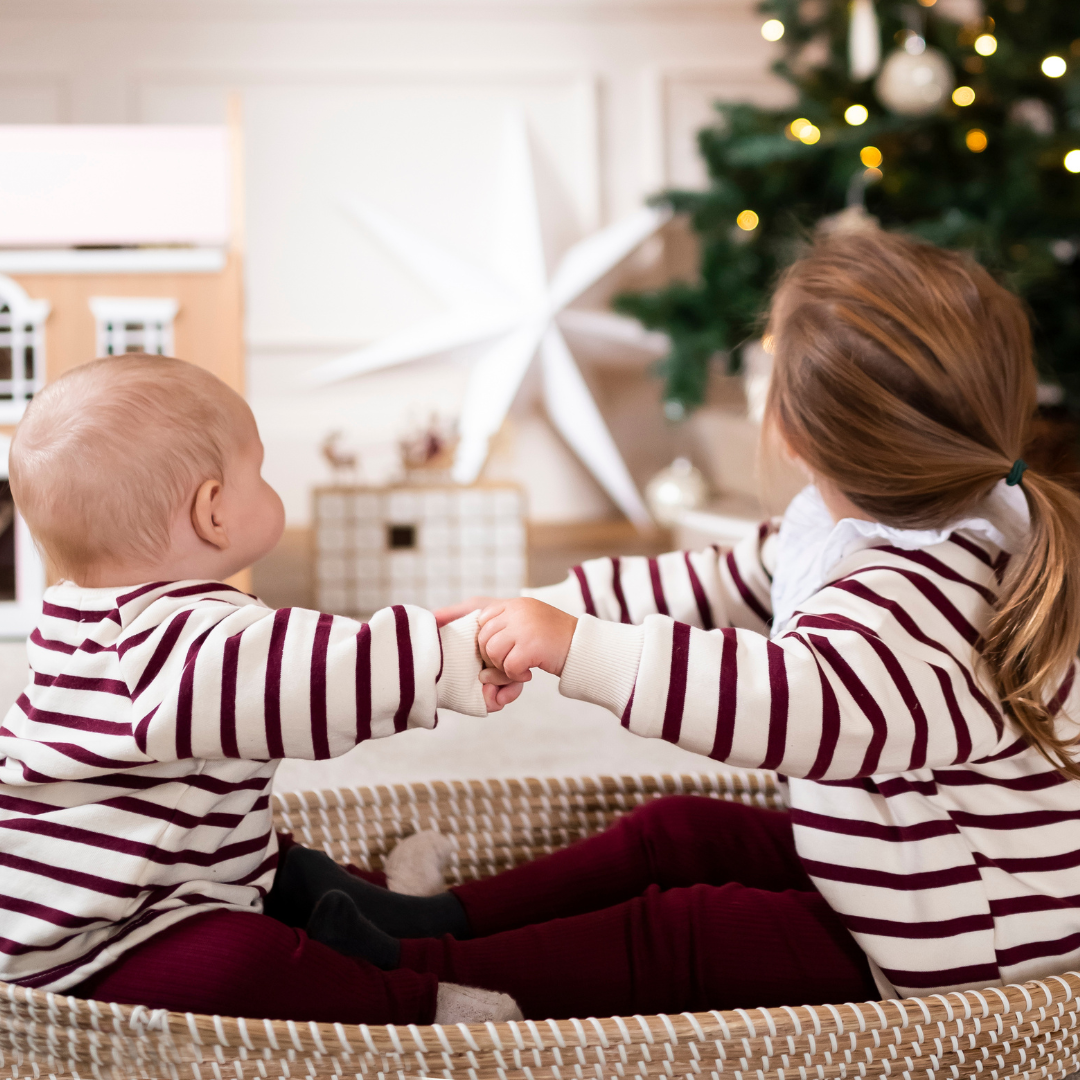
<point>106,456</point>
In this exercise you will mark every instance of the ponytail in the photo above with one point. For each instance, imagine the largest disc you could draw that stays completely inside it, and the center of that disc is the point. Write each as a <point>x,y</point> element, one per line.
<point>1033,638</point>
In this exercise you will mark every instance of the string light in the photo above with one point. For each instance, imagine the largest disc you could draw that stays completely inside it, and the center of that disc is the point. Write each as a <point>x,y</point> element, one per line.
<point>857,115</point>
<point>976,140</point>
<point>773,30</point>
<point>871,157</point>
<point>963,96</point>
<point>1072,161</point>
<point>1053,67</point>
<point>803,130</point>
<point>747,221</point>
<point>986,44</point>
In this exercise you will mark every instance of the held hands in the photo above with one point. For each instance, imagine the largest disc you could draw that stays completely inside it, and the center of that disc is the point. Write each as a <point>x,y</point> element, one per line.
<point>518,635</point>
<point>500,691</point>
<point>515,636</point>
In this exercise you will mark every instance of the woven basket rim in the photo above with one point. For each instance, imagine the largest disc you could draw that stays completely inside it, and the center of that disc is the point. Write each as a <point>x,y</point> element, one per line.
<point>310,1036</point>
<point>424,791</point>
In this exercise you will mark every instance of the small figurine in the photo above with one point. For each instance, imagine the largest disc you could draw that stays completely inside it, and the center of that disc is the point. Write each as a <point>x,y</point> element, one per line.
<point>342,462</point>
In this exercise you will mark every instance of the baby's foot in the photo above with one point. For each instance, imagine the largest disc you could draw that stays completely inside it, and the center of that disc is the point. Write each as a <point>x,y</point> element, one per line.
<point>470,1005</point>
<point>337,922</point>
<point>415,866</point>
<point>309,875</point>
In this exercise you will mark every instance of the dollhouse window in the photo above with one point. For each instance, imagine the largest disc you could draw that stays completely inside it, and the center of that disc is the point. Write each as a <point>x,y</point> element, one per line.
<point>22,576</point>
<point>7,544</point>
<point>139,324</point>
<point>22,349</point>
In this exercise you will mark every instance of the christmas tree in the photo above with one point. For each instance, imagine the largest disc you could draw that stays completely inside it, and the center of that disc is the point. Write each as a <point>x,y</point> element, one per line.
<point>966,133</point>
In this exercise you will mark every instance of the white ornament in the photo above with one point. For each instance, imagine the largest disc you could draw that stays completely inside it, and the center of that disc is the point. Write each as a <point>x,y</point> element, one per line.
<point>672,490</point>
<point>517,311</point>
<point>864,41</point>
<point>915,83</point>
<point>1035,114</point>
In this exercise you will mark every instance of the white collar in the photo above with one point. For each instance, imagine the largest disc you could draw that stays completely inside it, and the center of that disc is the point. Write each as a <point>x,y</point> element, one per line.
<point>811,544</point>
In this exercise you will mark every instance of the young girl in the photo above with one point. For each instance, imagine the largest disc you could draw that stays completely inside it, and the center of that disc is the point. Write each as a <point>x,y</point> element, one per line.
<point>902,651</point>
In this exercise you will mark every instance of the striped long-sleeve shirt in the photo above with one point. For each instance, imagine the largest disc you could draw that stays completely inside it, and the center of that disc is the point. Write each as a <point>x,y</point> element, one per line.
<point>135,769</point>
<point>950,847</point>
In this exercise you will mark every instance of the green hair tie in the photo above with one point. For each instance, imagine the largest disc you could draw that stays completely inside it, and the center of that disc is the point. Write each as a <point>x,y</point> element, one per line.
<point>1016,474</point>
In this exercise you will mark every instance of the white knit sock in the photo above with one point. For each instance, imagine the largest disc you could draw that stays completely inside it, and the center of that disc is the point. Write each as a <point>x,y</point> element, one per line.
<point>470,1005</point>
<point>415,867</point>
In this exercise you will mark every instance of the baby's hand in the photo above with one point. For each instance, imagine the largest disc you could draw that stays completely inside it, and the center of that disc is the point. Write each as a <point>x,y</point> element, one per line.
<point>466,607</point>
<point>517,635</point>
<point>498,689</point>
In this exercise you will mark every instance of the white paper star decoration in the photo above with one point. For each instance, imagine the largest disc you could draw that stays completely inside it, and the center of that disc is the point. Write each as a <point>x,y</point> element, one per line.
<point>513,310</point>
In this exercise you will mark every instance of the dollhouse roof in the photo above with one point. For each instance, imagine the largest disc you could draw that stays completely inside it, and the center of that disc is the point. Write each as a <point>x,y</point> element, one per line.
<point>72,185</point>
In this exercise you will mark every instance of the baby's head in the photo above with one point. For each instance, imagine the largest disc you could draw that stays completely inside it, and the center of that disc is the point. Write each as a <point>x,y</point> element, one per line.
<point>137,467</point>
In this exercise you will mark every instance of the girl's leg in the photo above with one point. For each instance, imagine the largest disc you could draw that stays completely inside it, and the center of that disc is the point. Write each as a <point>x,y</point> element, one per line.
<point>698,948</point>
<point>671,842</point>
<point>236,963</point>
<point>674,842</point>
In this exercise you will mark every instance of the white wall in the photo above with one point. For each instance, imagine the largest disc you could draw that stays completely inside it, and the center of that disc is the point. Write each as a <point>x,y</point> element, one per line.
<point>401,100</point>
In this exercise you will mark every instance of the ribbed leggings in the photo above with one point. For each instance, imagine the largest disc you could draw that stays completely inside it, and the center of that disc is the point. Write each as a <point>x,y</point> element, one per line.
<point>686,904</point>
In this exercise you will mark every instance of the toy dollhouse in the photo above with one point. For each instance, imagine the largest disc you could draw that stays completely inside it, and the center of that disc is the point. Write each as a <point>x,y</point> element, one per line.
<point>131,247</point>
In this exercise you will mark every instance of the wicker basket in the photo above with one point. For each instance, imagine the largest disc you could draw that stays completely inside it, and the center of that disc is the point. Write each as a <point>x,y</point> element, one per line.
<point>1016,1031</point>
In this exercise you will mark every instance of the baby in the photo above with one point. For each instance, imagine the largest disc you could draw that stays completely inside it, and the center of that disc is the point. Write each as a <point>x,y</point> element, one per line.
<point>136,768</point>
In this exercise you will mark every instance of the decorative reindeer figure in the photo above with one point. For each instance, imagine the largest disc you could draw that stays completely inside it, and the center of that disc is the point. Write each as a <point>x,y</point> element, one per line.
<point>344,463</point>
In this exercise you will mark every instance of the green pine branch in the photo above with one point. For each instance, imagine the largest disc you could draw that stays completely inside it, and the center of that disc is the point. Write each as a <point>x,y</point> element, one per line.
<point>1013,205</point>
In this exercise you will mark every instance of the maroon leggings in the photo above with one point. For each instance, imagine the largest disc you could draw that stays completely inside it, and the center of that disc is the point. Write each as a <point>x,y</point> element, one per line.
<point>686,904</point>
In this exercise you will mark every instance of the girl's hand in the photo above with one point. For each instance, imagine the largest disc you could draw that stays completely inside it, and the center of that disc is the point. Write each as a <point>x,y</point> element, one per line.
<point>457,611</point>
<point>518,635</point>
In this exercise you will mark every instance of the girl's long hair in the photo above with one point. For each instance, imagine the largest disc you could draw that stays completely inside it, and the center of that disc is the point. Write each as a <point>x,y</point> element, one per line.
<point>904,375</point>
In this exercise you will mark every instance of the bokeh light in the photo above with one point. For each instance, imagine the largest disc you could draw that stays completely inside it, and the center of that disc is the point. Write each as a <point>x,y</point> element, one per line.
<point>857,115</point>
<point>1053,67</point>
<point>747,221</point>
<point>773,30</point>
<point>976,140</point>
<point>871,157</point>
<point>1072,161</point>
<point>986,44</point>
<point>963,96</point>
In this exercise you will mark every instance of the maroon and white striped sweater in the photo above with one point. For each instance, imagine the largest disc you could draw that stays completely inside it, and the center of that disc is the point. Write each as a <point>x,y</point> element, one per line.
<point>950,848</point>
<point>136,767</point>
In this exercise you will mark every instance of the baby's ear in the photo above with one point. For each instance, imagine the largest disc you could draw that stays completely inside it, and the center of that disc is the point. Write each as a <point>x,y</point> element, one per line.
<point>206,517</point>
